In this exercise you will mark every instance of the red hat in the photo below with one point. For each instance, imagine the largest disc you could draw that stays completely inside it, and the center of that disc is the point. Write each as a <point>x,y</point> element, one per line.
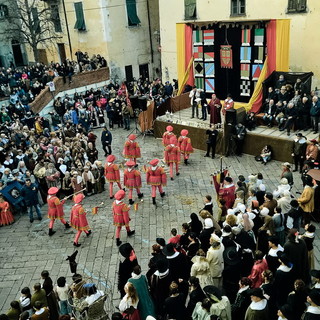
<point>111,158</point>
<point>154,162</point>
<point>313,141</point>
<point>120,195</point>
<point>132,137</point>
<point>130,163</point>
<point>78,198</point>
<point>184,132</point>
<point>173,140</point>
<point>169,128</point>
<point>53,190</point>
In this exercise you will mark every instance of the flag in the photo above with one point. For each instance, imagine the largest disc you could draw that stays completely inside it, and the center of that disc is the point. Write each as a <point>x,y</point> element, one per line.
<point>245,88</point>
<point>208,52</point>
<point>210,85</point>
<point>256,71</point>
<point>209,69</point>
<point>199,83</point>
<point>95,210</point>
<point>245,54</point>
<point>245,71</point>
<point>258,55</point>
<point>197,37</point>
<point>186,76</point>
<point>135,206</point>
<point>258,37</point>
<point>245,37</point>
<point>226,56</point>
<point>198,69</point>
<point>198,53</point>
<point>208,37</point>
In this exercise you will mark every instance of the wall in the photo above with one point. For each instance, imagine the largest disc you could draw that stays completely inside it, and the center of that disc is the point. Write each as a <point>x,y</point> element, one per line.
<point>79,80</point>
<point>304,29</point>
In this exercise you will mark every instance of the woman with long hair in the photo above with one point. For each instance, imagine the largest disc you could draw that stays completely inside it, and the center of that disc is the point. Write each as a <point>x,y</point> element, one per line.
<point>129,303</point>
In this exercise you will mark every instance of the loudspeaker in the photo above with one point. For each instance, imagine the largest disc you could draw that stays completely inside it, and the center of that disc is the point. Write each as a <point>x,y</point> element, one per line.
<point>241,115</point>
<point>142,103</point>
<point>231,116</point>
<point>134,102</point>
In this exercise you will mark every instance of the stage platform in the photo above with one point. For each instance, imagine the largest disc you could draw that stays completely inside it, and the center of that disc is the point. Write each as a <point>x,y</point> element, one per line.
<point>254,142</point>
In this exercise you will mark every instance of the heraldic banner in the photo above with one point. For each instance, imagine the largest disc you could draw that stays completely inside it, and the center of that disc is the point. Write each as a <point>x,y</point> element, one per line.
<point>226,56</point>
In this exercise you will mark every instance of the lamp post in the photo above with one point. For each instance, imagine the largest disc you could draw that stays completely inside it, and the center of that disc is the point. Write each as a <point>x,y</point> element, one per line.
<point>68,33</point>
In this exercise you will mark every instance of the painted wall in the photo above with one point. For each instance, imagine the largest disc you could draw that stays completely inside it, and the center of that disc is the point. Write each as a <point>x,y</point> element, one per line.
<point>304,36</point>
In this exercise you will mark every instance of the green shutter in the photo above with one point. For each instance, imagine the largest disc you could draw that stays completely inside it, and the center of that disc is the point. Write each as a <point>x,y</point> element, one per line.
<point>36,21</point>
<point>132,13</point>
<point>190,9</point>
<point>80,23</point>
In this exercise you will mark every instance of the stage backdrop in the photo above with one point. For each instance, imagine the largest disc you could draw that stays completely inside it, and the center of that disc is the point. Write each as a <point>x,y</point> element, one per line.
<point>258,49</point>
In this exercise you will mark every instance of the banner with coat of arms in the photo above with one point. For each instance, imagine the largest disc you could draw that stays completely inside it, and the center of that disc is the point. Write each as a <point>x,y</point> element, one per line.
<point>226,56</point>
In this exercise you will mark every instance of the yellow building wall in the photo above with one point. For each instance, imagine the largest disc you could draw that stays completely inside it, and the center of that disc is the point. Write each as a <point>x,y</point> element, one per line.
<point>304,36</point>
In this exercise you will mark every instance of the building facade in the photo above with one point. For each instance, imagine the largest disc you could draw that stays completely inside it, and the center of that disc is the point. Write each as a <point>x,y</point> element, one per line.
<point>228,15</point>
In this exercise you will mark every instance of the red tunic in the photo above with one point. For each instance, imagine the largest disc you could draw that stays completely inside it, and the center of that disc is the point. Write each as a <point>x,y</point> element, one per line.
<point>112,172</point>
<point>131,150</point>
<point>120,214</point>
<point>6,216</point>
<point>132,179</point>
<point>78,219</point>
<point>215,107</point>
<point>172,154</point>
<point>228,194</point>
<point>55,207</point>
<point>166,138</point>
<point>185,145</point>
<point>156,177</point>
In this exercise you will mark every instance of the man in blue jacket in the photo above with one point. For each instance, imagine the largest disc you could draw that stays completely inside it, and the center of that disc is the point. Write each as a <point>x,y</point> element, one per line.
<point>30,194</point>
<point>106,140</point>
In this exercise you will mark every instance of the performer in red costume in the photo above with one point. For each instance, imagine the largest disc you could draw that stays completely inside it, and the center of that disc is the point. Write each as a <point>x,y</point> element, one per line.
<point>132,180</point>
<point>214,110</point>
<point>131,149</point>
<point>121,215</point>
<point>78,219</point>
<point>157,178</point>
<point>227,192</point>
<point>167,136</point>
<point>112,174</point>
<point>185,145</point>
<point>172,156</point>
<point>55,209</point>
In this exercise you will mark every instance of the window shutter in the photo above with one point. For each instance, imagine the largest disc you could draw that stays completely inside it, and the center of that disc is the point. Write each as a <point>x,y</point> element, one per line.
<point>132,13</point>
<point>302,5</point>
<point>80,23</point>
<point>190,9</point>
<point>35,20</point>
<point>292,5</point>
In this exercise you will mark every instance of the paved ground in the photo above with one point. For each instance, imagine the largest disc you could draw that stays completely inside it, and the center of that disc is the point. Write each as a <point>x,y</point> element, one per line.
<point>26,249</point>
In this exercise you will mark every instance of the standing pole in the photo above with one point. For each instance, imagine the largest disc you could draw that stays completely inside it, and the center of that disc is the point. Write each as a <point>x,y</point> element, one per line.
<point>68,32</point>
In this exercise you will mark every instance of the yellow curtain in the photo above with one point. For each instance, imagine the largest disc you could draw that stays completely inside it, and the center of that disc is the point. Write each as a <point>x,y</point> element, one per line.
<point>180,33</point>
<point>185,77</point>
<point>258,88</point>
<point>282,45</point>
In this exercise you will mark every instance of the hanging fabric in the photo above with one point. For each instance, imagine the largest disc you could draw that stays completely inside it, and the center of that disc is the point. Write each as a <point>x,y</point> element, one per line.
<point>226,56</point>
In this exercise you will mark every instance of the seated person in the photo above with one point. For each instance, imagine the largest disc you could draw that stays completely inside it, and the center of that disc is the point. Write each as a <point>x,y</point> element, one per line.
<point>269,113</point>
<point>280,83</point>
<point>279,115</point>
<point>283,94</point>
<point>290,116</point>
<point>93,294</point>
<point>272,95</point>
<point>266,154</point>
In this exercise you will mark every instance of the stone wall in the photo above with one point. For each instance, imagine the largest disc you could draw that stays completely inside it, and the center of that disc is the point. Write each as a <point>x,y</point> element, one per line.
<point>78,80</point>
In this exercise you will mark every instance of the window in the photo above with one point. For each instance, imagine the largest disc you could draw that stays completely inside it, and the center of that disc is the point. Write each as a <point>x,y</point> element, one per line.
<point>297,6</point>
<point>55,17</point>
<point>80,23</point>
<point>35,20</point>
<point>129,73</point>
<point>238,7</point>
<point>190,9</point>
<point>3,11</point>
<point>133,18</point>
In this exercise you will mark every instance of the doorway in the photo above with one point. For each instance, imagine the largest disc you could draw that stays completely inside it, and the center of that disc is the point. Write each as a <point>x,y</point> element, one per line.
<point>17,53</point>
<point>43,56</point>
<point>144,71</point>
<point>129,73</point>
<point>62,52</point>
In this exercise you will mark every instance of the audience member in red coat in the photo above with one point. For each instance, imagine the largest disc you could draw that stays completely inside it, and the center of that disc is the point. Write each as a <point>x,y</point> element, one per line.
<point>260,265</point>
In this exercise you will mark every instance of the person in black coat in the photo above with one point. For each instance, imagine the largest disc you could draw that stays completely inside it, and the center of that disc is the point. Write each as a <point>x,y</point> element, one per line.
<point>156,255</point>
<point>196,295</point>
<point>212,134</point>
<point>126,266</point>
<point>195,224</point>
<point>297,299</point>
<point>184,239</point>
<point>47,285</point>
<point>205,234</point>
<point>106,140</point>
<point>174,305</point>
<point>312,312</point>
<point>178,266</point>
<point>208,204</point>
<point>243,300</point>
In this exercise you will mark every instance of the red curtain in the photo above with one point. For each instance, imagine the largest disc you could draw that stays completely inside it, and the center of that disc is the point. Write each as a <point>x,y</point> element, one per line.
<point>271,46</point>
<point>189,53</point>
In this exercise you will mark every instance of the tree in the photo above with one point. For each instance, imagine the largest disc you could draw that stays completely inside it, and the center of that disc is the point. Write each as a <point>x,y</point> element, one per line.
<point>32,22</point>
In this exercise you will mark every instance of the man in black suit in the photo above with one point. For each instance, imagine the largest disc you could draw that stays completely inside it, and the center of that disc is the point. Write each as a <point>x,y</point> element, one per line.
<point>211,141</point>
